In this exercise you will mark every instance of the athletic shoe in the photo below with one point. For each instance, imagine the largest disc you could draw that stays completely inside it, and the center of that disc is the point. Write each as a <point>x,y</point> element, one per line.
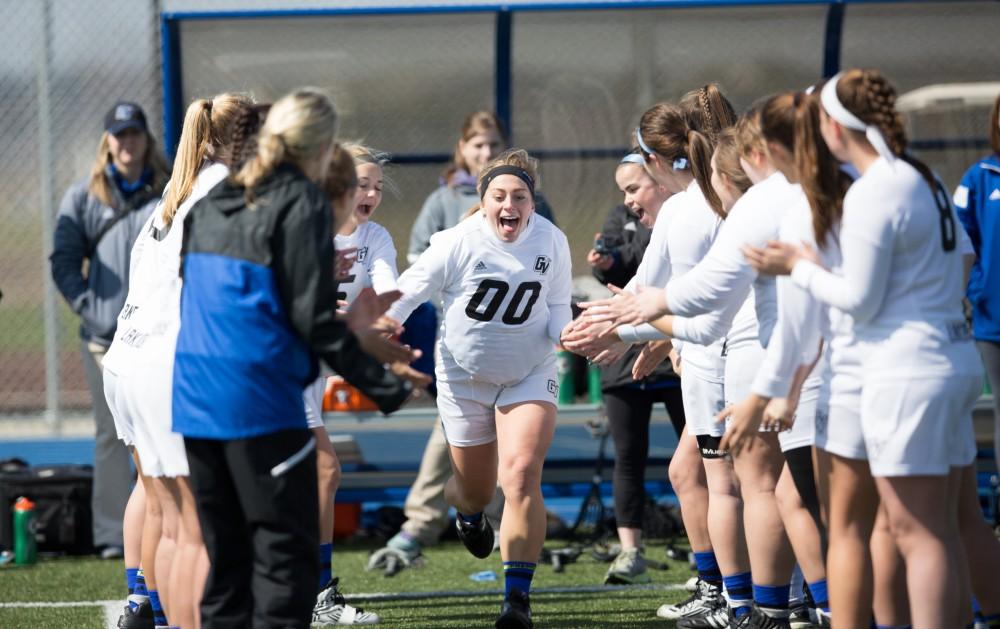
<point>720,617</point>
<point>628,567</point>
<point>112,552</point>
<point>478,538</point>
<point>801,618</point>
<point>515,612</point>
<point>704,600</point>
<point>758,619</point>
<point>821,618</point>
<point>139,618</point>
<point>332,609</point>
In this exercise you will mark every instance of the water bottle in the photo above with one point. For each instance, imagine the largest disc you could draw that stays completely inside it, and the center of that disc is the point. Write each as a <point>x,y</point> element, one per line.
<point>594,383</point>
<point>25,545</point>
<point>564,371</point>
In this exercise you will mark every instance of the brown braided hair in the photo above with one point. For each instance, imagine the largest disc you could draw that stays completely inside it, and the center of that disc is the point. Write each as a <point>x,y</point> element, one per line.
<point>245,130</point>
<point>870,96</point>
<point>689,129</point>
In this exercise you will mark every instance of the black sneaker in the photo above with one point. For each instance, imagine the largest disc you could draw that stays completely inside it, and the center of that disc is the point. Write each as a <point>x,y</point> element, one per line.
<point>758,619</point>
<point>515,612</point>
<point>478,538</point>
<point>705,600</point>
<point>718,616</point>
<point>139,618</point>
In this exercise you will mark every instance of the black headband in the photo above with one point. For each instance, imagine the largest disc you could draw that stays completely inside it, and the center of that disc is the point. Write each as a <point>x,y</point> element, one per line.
<point>517,171</point>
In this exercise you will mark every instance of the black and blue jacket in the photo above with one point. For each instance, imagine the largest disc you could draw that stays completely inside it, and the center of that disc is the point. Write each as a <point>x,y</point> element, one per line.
<point>257,309</point>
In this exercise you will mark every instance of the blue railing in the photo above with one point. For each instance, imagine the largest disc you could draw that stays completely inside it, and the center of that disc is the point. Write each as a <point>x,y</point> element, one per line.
<point>173,107</point>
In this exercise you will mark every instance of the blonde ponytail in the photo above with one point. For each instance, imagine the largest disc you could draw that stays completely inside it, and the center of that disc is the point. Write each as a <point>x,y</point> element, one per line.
<point>207,132</point>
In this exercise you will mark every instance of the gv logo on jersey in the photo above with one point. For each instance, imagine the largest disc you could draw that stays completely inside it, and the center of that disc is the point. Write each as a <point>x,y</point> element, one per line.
<point>362,254</point>
<point>542,264</point>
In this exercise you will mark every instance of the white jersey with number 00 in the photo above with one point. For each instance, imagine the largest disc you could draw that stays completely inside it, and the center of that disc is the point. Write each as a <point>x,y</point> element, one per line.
<point>504,303</point>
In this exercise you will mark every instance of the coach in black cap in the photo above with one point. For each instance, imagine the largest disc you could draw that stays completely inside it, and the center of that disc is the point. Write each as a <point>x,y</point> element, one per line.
<point>99,219</point>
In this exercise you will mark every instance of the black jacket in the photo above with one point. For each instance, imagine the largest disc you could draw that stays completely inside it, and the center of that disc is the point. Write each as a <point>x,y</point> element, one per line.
<point>630,237</point>
<point>257,308</point>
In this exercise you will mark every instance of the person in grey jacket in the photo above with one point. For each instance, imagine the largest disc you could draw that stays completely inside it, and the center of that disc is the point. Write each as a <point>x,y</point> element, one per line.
<point>482,139</point>
<point>99,219</point>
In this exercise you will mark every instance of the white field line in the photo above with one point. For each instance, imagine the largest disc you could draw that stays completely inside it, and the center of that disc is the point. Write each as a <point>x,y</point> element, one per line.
<point>390,596</point>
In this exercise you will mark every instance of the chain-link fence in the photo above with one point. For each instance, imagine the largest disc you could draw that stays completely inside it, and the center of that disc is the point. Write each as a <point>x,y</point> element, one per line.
<point>404,79</point>
<point>63,64</point>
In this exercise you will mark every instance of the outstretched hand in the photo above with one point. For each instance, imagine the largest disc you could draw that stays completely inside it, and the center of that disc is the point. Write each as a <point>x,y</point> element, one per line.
<point>779,257</point>
<point>626,308</point>
<point>744,422</point>
<point>650,357</point>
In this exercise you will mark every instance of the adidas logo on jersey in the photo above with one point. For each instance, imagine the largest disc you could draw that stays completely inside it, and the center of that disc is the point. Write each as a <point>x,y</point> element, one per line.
<point>480,266</point>
<point>995,195</point>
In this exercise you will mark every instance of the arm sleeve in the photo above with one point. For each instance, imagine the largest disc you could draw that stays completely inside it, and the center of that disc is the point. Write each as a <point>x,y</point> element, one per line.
<point>560,292</point>
<point>965,200</point>
<point>303,265</point>
<point>425,278</point>
<point>429,222</point>
<point>866,241</point>
<point>383,269</point>
<point>721,279</point>
<point>70,248</point>
<point>796,330</point>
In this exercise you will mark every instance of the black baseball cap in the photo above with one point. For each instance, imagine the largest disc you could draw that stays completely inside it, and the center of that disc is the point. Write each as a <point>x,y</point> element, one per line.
<point>124,115</point>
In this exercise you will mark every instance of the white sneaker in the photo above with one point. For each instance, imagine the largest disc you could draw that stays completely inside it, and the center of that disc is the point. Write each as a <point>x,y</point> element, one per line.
<point>332,610</point>
<point>704,600</point>
<point>628,567</point>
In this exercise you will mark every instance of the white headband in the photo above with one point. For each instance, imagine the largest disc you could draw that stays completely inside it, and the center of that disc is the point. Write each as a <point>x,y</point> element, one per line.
<point>836,110</point>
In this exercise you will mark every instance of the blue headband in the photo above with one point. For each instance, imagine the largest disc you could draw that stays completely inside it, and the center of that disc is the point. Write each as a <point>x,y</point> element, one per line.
<point>633,158</point>
<point>505,169</point>
<point>679,163</point>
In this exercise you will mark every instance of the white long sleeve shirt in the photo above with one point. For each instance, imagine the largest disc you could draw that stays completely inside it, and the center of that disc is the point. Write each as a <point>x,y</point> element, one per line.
<point>723,280</point>
<point>375,265</point>
<point>693,228</point>
<point>505,304</point>
<point>802,321</point>
<point>901,288</point>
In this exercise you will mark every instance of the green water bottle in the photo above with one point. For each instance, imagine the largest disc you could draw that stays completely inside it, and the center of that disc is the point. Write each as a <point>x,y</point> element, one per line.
<point>594,383</point>
<point>564,372</point>
<point>25,545</point>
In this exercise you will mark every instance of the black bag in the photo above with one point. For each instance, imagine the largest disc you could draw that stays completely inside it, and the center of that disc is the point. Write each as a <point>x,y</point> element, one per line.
<point>61,494</point>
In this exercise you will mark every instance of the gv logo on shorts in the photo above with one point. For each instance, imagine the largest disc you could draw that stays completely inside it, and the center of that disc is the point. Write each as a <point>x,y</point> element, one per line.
<point>542,264</point>
<point>553,387</point>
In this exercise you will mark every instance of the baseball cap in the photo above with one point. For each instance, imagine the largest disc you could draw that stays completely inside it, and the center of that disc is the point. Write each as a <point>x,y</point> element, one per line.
<point>124,115</point>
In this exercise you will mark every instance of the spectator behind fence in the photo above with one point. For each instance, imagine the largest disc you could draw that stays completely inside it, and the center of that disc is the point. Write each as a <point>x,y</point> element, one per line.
<point>99,219</point>
<point>629,402</point>
<point>977,200</point>
<point>257,308</point>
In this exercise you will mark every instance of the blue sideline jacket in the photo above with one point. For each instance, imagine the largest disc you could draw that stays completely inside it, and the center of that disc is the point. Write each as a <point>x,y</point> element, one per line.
<point>257,307</point>
<point>977,200</point>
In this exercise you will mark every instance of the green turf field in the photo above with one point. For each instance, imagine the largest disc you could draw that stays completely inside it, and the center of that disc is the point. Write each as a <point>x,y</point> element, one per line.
<point>447,569</point>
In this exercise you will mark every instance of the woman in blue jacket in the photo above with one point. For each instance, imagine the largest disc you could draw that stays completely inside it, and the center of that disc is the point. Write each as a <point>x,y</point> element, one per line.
<point>977,201</point>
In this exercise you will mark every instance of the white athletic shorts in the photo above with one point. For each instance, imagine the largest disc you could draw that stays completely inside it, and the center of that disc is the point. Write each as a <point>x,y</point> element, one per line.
<point>123,421</point>
<point>703,400</point>
<point>468,407</point>
<point>143,400</point>
<point>922,424</point>
<point>742,364</point>
<point>312,396</point>
<point>803,431</point>
<point>839,431</point>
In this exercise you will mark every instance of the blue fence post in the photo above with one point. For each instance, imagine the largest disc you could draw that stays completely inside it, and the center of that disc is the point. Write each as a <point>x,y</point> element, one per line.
<point>502,78</point>
<point>171,68</point>
<point>832,43</point>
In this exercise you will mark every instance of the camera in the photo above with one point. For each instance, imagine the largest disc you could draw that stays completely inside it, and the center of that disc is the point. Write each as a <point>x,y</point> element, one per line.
<point>606,245</point>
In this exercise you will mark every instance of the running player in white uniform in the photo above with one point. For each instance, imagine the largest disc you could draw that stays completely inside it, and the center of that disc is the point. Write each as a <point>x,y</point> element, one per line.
<point>139,365</point>
<point>504,277</point>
